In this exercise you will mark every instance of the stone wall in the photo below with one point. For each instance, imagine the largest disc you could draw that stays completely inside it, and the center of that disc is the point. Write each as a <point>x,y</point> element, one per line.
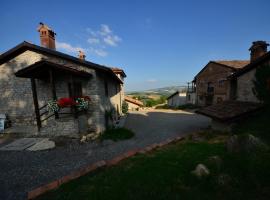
<point>217,75</point>
<point>61,127</point>
<point>17,100</point>
<point>16,95</point>
<point>245,86</point>
<point>132,106</point>
<point>109,102</point>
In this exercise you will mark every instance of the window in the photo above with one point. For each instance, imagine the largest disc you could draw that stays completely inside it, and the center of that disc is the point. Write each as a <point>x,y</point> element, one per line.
<point>221,83</point>
<point>75,90</point>
<point>210,87</point>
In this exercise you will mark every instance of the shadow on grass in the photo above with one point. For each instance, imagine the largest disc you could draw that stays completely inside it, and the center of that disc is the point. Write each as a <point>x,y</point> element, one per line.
<point>166,174</point>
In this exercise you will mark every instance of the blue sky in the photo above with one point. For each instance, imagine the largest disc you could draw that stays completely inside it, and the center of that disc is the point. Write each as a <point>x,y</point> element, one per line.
<point>157,43</point>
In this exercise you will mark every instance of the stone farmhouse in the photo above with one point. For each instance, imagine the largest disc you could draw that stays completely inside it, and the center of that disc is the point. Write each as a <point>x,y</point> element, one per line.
<point>211,82</point>
<point>241,82</point>
<point>31,76</point>
<point>241,92</point>
<point>226,80</point>
<point>176,99</point>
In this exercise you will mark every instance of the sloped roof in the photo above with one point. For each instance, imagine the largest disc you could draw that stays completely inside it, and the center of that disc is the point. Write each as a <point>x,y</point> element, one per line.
<point>22,47</point>
<point>41,68</point>
<point>232,64</point>
<point>237,64</point>
<point>229,110</point>
<point>177,92</point>
<point>134,101</point>
<point>253,64</point>
<point>118,71</point>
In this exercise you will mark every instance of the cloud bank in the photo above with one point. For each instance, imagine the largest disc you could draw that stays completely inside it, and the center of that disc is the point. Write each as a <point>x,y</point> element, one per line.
<point>97,42</point>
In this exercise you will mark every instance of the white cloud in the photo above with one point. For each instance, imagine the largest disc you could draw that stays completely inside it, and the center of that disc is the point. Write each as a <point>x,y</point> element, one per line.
<point>112,40</point>
<point>98,42</point>
<point>93,40</point>
<point>103,37</point>
<point>99,52</point>
<point>151,81</point>
<point>68,47</point>
<point>105,29</point>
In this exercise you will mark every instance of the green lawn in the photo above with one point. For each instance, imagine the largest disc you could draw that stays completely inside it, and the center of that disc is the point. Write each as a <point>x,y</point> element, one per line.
<point>258,124</point>
<point>165,174</point>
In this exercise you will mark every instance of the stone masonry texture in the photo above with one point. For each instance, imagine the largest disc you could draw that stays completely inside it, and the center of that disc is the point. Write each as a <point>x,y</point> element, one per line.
<point>17,102</point>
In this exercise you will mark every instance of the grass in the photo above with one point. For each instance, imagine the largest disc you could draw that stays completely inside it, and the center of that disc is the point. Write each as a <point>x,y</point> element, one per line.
<point>117,134</point>
<point>166,172</point>
<point>188,106</point>
<point>257,125</point>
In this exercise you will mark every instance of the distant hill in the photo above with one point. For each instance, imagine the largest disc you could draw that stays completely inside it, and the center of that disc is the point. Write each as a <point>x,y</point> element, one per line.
<point>166,91</point>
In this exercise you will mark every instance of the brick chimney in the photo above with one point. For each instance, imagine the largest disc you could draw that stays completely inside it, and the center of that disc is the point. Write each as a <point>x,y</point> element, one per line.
<point>257,49</point>
<point>81,55</point>
<point>47,36</point>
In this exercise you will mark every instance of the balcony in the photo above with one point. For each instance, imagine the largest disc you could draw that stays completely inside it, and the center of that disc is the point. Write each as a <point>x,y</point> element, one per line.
<point>210,90</point>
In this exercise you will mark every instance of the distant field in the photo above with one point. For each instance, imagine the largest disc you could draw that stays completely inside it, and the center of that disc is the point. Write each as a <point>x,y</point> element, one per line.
<point>145,96</point>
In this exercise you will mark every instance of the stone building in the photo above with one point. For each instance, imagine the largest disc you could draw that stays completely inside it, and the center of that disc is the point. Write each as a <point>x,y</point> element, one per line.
<point>133,104</point>
<point>176,99</point>
<point>241,91</point>
<point>121,97</point>
<point>241,83</point>
<point>211,82</point>
<point>32,75</point>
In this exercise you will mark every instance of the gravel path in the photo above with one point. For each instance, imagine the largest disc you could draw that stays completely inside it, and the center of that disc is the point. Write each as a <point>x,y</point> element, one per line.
<point>21,171</point>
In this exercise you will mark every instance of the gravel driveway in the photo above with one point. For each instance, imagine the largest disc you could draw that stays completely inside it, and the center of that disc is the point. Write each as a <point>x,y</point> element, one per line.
<point>21,171</point>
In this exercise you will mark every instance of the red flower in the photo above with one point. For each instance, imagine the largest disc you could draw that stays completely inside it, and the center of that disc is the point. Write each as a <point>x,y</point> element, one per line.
<point>66,102</point>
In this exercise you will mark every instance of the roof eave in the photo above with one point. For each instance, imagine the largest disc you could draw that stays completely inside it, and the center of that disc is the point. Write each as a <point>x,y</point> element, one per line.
<point>27,46</point>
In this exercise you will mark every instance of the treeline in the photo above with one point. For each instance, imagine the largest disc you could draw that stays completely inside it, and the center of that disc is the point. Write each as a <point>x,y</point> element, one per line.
<point>150,102</point>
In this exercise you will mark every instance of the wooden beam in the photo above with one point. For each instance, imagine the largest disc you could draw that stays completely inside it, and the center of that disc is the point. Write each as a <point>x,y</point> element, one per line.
<point>35,99</point>
<point>52,83</point>
<point>72,89</point>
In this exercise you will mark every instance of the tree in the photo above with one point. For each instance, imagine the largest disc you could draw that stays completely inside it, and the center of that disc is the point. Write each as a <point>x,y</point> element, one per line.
<point>124,107</point>
<point>262,84</point>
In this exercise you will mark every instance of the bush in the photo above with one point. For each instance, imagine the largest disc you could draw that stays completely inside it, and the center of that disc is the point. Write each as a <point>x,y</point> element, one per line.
<point>188,106</point>
<point>163,107</point>
<point>153,102</point>
<point>124,107</point>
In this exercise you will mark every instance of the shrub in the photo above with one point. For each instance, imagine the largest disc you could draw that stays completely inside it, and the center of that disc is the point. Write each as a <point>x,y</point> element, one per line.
<point>124,107</point>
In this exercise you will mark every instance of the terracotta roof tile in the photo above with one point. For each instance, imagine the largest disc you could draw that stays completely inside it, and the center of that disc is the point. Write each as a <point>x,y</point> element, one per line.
<point>237,64</point>
<point>118,71</point>
<point>134,101</point>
